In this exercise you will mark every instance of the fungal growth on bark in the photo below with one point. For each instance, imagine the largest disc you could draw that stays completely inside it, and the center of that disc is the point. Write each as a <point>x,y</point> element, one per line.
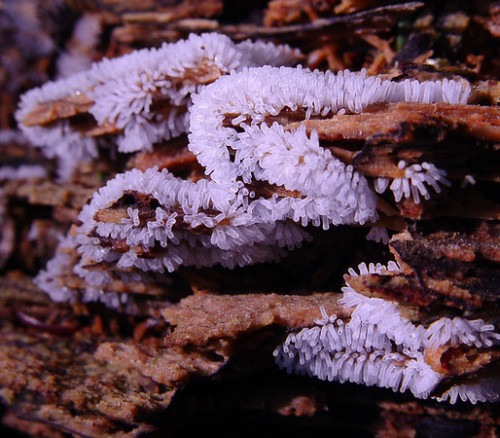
<point>138,99</point>
<point>263,171</point>
<point>266,126</point>
<point>154,222</point>
<point>177,213</point>
<point>379,346</point>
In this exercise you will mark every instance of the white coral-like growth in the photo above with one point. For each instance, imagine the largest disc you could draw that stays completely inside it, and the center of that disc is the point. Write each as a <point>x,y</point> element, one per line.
<point>232,140</point>
<point>123,90</point>
<point>49,279</point>
<point>380,347</point>
<point>387,317</point>
<point>486,390</point>
<point>414,183</point>
<point>357,353</point>
<point>52,281</point>
<point>232,236</point>
<point>227,235</point>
